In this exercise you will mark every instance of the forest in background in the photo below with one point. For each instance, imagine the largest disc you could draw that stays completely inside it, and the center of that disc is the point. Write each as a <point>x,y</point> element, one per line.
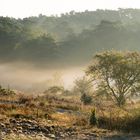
<point>67,40</point>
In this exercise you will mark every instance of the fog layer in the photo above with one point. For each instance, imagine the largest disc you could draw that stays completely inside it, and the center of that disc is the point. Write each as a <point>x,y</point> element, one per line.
<point>38,52</point>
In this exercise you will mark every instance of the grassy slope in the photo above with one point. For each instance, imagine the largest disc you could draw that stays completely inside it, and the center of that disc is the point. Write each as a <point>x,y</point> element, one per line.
<point>68,113</point>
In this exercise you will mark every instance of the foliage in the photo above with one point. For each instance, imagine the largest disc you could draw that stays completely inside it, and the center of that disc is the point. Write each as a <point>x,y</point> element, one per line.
<point>93,118</point>
<point>6,92</point>
<point>117,74</point>
<point>86,99</point>
<point>122,120</point>
<point>24,99</point>
<point>83,87</point>
<point>53,41</point>
<point>55,89</point>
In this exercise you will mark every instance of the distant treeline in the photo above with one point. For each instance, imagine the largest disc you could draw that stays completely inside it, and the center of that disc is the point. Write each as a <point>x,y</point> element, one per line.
<point>70,39</point>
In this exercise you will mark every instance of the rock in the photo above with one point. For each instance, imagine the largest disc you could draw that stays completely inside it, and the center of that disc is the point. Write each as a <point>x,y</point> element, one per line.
<point>14,130</point>
<point>19,131</point>
<point>41,135</point>
<point>69,133</point>
<point>9,130</point>
<point>51,135</point>
<point>44,130</point>
<point>19,127</point>
<point>2,125</point>
<point>12,121</point>
<point>63,135</point>
<point>69,129</point>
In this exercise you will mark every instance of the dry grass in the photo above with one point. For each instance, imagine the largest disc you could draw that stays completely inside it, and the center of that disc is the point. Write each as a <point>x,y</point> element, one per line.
<point>122,119</point>
<point>45,108</point>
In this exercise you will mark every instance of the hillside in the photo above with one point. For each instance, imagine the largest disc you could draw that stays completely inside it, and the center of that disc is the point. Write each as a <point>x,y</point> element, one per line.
<point>54,40</point>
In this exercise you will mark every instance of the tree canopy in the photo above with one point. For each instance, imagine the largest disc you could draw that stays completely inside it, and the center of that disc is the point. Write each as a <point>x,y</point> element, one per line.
<point>116,74</point>
<point>72,37</point>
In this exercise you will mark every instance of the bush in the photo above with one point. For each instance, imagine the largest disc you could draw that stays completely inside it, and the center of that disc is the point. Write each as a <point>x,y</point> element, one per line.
<point>129,122</point>
<point>93,118</point>
<point>23,99</point>
<point>55,89</point>
<point>86,99</point>
<point>6,92</point>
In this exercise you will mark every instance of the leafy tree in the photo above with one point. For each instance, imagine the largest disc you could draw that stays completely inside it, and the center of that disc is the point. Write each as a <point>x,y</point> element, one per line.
<point>83,87</point>
<point>117,74</point>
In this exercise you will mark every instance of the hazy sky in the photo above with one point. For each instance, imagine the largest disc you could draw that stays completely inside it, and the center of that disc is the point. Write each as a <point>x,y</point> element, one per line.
<point>26,8</point>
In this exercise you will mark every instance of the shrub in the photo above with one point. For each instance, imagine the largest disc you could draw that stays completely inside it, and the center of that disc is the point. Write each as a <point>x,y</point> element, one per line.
<point>93,118</point>
<point>6,92</point>
<point>86,99</point>
<point>129,122</point>
<point>23,99</point>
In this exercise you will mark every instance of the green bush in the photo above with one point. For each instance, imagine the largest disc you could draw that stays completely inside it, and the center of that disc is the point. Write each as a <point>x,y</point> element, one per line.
<point>86,99</point>
<point>93,118</point>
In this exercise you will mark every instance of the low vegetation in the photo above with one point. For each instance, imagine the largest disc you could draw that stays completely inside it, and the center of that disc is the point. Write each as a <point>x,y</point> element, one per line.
<point>100,102</point>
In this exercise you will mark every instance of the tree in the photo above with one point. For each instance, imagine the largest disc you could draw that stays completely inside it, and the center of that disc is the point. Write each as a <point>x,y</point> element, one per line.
<point>116,74</point>
<point>83,87</point>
